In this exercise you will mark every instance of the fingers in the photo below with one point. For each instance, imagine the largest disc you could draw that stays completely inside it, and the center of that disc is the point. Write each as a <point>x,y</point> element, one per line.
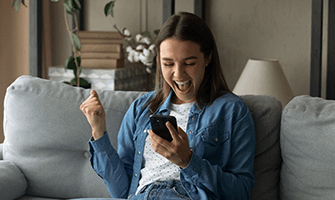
<point>177,151</point>
<point>182,134</point>
<point>156,139</point>
<point>176,134</point>
<point>158,144</point>
<point>92,104</point>
<point>173,131</point>
<point>93,93</point>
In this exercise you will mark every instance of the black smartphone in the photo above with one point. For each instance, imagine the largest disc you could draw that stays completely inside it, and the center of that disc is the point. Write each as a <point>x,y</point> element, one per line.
<point>158,125</point>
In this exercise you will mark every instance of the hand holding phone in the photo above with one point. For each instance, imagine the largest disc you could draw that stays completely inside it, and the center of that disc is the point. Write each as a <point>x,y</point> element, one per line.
<point>158,125</point>
<point>177,149</point>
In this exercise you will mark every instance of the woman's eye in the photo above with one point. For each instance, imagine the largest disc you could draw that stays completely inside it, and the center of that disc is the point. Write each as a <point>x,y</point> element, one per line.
<point>168,64</point>
<point>190,64</point>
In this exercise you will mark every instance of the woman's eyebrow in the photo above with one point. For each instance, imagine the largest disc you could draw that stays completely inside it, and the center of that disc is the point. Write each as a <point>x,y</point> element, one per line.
<point>191,57</point>
<point>188,58</point>
<point>167,59</point>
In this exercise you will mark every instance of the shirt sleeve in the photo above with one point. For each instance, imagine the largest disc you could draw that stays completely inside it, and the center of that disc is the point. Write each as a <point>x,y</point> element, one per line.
<point>107,164</point>
<point>234,180</point>
<point>117,167</point>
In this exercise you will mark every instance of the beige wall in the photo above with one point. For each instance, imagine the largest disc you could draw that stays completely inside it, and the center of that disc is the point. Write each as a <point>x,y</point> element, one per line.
<point>135,15</point>
<point>243,29</point>
<point>263,29</point>
<point>14,40</point>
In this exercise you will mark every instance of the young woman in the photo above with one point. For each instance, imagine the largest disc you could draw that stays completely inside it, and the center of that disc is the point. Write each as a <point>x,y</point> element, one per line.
<point>211,155</point>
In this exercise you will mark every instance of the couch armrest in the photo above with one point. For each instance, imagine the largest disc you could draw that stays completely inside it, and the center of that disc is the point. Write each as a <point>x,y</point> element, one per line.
<point>12,181</point>
<point>1,151</point>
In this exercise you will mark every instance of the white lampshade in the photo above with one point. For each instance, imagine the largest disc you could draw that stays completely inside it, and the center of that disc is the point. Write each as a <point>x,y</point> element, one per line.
<point>264,77</point>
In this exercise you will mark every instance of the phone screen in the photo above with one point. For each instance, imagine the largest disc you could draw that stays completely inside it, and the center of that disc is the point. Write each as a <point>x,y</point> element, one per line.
<point>158,125</point>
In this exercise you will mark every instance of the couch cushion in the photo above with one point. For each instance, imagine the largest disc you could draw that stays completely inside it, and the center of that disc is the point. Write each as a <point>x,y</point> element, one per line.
<point>46,136</point>
<point>308,149</point>
<point>266,113</point>
<point>12,182</point>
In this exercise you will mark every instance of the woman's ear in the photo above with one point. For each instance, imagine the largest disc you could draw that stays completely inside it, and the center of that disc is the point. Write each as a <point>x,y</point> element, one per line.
<point>209,58</point>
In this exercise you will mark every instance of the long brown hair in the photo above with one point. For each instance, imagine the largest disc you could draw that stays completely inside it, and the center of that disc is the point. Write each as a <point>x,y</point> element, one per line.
<point>186,26</point>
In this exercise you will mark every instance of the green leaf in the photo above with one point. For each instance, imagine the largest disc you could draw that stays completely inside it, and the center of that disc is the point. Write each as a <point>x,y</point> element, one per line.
<point>75,72</point>
<point>146,33</point>
<point>70,64</point>
<point>24,3</point>
<point>17,4</point>
<point>68,7</point>
<point>76,41</point>
<point>82,82</point>
<point>73,81</point>
<point>77,5</point>
<point>109,8</point>
<point>71,5</point>
<point>79,61</point>
<point>156,31</point>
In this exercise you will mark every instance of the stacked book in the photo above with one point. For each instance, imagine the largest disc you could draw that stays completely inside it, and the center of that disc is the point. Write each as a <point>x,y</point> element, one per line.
<point>101,49</point>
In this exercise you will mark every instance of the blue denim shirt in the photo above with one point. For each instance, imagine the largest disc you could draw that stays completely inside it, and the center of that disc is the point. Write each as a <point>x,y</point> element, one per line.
<point>222,137</point>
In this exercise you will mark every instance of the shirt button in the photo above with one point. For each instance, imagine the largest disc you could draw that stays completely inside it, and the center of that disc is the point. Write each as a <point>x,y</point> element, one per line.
<point>139,152</point>
<point>145,130</point>
<point>135,175</point>
<point>193,118</point>
<point>190,132</point>
<point>87,154</point>
<point>216,139</point>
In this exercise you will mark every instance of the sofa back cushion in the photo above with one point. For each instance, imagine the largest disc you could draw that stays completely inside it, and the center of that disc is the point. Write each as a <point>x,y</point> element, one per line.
<point>266,113</point>
<point>46,136</point>
<point>308,149</point>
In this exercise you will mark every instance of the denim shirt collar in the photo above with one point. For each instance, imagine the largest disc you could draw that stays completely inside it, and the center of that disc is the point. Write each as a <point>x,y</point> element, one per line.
<point>164,109</point>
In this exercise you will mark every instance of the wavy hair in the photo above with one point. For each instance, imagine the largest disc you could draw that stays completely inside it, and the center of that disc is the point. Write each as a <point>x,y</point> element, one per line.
<point>187,26</point>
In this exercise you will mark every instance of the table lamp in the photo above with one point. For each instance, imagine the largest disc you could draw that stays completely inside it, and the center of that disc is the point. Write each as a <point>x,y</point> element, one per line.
<point>264,77</point>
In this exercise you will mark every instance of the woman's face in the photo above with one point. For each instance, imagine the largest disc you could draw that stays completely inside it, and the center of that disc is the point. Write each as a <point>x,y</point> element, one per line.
<point>183,68</point>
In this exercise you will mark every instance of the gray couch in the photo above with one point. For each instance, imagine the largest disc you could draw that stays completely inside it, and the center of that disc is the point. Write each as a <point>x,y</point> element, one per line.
<point>45,152</point>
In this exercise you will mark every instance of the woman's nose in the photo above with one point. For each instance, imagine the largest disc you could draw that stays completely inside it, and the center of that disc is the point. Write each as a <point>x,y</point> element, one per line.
<point>178,70</point>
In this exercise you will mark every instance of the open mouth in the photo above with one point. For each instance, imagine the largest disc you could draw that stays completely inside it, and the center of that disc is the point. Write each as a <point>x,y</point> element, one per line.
<point>183,86</point>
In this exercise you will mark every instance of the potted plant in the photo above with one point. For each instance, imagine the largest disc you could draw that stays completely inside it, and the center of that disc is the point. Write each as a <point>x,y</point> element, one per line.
<point>73,62</point>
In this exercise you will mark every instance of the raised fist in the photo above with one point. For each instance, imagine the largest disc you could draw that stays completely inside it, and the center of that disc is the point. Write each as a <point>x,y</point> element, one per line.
<point>95,114</point>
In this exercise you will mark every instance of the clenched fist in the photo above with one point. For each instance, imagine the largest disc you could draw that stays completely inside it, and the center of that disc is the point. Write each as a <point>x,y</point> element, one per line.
<point>95,114</point>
